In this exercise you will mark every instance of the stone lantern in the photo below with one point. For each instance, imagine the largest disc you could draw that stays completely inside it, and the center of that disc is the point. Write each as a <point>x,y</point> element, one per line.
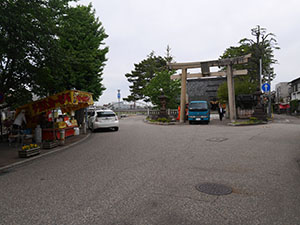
<point>163,104</point>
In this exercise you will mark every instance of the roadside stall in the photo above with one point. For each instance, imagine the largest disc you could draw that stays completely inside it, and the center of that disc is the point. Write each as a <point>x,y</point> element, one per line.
<point>54,116</point>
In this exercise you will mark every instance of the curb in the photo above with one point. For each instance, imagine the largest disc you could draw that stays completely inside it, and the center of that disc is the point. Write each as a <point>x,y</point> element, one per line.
<point>42,155</point>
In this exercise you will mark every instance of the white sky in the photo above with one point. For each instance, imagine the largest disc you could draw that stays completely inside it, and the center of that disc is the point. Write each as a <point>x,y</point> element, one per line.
<point>196,30</point>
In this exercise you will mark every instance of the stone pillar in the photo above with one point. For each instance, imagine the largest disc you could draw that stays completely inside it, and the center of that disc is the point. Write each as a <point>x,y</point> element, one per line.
<point>231,93</point>
<point>183,95</point>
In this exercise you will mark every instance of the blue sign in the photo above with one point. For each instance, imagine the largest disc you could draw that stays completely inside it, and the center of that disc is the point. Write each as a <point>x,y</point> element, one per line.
<point>119,95</point>
<point>265,87</point>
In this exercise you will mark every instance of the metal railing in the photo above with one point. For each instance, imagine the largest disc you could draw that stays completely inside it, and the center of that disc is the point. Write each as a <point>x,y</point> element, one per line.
<point>146,112</point>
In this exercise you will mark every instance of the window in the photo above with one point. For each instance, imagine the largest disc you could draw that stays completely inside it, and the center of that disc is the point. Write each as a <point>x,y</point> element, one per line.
<point>106,114</point>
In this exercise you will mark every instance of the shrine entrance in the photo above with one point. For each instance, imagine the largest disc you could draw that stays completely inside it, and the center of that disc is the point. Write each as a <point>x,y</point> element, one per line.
<point>205,72</point>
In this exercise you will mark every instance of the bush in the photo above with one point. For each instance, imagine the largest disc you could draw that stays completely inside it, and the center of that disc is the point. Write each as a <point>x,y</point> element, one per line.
<point>294,105</point>
<point>163,120</point>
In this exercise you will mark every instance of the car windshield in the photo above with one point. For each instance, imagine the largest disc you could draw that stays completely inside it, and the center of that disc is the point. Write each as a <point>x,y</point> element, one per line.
<point>198,106</point>
<point>106,114</point>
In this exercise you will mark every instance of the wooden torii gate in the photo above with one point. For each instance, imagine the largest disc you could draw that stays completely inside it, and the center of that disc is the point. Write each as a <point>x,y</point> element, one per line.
<point>205,72</point>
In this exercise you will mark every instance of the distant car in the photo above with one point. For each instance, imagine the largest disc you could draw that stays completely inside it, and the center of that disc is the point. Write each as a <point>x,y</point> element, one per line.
<point>99,119</point>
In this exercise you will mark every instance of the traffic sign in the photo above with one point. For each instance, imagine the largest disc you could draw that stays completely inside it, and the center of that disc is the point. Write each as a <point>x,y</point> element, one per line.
<point>119,95</point>
<point>265,87</point>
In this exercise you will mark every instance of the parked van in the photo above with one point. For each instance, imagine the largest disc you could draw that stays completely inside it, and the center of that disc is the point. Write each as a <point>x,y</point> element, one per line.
<point>198,111</point>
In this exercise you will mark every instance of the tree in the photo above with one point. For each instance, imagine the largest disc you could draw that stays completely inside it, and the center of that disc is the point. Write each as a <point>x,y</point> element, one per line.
<point>27,33</point>
<point>241,86</point>
<point>260,48</point>
<point>144,72</point>
<point>162,83</point>
<point>81,51</point>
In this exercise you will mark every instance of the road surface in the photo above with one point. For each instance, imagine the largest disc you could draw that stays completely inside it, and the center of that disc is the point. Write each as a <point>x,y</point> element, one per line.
<point>147,174</point>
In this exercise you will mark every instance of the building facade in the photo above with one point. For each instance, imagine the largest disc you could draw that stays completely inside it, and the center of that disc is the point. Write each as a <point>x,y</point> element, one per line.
<point>282,92</point>
<point>204,89</point>
<point>295,89</point>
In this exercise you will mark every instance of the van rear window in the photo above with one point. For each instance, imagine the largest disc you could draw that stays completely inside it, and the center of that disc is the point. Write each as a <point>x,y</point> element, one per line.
<point>105,114</point>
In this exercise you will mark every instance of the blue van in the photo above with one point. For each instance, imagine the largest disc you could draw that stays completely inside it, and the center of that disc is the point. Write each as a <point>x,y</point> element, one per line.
<point>198,111</point>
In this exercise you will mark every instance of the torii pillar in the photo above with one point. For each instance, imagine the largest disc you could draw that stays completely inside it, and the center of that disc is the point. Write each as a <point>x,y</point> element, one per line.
<point>231,93</point>
<point>183,94</point>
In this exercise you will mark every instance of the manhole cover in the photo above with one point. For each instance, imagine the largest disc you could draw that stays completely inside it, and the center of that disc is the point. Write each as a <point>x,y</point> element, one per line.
<point>214,189</point>
<point>217,139</point>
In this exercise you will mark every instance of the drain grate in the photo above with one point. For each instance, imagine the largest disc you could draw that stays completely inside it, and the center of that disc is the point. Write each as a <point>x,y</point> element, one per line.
<point>214,189</point>
<point>217,139</point>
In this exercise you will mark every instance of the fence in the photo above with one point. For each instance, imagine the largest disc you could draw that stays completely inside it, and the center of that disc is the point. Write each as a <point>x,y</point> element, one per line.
<point>146,112</point>
<point>244,113</point>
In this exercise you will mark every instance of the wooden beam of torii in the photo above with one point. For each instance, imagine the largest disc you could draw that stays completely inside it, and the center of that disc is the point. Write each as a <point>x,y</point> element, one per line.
<point>213,74</point>
<point>205,69</point>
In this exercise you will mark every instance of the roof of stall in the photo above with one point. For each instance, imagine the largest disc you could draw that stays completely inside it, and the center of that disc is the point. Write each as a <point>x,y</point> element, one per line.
<point>67,101</point>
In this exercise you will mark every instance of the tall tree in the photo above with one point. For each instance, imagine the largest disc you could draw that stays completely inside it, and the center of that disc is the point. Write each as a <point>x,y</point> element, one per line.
<point>82,53</point>
<point>27,33</point>
<point>261,48</point>
<point>162,83</point>
<point>144,72</point>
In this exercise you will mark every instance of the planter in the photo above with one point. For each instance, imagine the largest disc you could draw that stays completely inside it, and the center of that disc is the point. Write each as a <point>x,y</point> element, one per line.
<point>50,144</point>
<point>29,152</point>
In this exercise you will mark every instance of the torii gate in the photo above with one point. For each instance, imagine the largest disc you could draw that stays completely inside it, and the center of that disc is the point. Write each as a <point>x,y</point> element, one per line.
<point>205,69</point>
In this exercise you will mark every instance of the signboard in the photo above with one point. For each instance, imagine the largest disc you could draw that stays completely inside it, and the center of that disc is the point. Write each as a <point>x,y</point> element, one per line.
<point>119,95</point>
<point>265,87</point>
<point>67,101</point>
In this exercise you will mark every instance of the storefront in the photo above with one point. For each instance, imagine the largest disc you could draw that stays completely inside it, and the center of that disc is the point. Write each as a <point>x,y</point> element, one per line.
<point>56,113</point>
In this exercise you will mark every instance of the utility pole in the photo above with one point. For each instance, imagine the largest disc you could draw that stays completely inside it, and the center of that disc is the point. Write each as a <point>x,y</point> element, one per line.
<point>269,98</point>
<point>260,73</point>
<point>119,97</point>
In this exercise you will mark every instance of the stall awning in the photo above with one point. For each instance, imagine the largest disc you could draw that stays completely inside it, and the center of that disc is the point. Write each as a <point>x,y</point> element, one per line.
<point>67,101</point>
<point>284,106</point>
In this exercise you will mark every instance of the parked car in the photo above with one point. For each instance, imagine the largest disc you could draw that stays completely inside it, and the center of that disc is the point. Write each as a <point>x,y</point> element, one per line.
<point>99,119</point>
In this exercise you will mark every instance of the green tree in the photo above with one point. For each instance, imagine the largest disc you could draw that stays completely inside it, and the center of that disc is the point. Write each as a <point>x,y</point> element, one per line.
<point>261,48</point>
<point>162,83</point>
<point>82,54</point>
<point>27,34</point>
<point>144,72</point>
<point>241,86</point>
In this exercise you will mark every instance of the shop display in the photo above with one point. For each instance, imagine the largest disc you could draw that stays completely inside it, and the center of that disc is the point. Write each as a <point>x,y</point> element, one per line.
<point>55,113</point>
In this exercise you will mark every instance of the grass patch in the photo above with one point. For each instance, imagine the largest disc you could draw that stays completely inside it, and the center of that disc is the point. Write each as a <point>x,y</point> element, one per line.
<point>159,120</point>
<point>251,121</point>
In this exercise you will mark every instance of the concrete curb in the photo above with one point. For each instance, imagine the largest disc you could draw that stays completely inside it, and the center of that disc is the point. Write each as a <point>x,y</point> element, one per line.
<point>42,155</point>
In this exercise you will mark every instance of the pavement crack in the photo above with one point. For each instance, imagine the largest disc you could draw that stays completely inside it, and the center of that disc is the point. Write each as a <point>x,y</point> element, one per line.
<point>256,135</point>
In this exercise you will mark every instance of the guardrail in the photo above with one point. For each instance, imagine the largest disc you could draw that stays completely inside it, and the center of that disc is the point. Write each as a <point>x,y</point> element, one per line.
<point>146,112</point>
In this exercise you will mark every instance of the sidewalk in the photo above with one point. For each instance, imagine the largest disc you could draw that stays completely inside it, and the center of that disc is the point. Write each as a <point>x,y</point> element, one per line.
<point>9,154</point>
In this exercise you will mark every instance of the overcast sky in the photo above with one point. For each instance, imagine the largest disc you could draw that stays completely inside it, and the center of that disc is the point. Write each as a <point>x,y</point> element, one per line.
<point>196,30</point>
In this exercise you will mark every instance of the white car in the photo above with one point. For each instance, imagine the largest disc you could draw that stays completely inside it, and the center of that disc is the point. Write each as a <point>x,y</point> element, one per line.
<point>103,119</point>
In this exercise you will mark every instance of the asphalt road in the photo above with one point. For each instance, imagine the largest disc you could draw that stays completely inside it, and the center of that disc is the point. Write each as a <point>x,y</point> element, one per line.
<point>146,174</point>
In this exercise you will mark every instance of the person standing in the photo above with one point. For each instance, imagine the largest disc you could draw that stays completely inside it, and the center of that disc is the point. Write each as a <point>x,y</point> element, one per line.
<point>221,112</point>
<point>19,121</point>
